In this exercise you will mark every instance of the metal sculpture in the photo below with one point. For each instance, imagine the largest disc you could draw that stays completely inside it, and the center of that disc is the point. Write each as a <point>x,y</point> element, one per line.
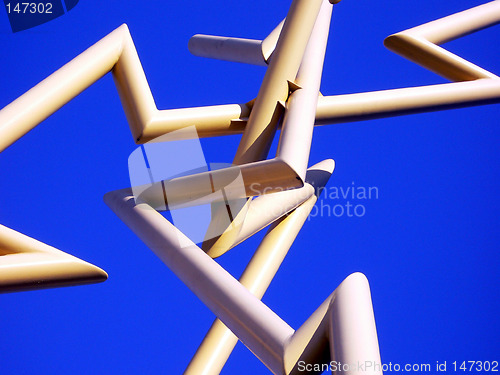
<point>343,327</point>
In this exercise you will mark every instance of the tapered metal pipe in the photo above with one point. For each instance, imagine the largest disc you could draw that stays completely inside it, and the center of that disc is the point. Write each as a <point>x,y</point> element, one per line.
<point>28,264</point>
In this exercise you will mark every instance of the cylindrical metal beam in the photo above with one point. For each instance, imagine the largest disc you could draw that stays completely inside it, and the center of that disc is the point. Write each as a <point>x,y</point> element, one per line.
<point>298,124</point>
<point>283,68</point>
<point>248,51</point>
<point>388,103</point>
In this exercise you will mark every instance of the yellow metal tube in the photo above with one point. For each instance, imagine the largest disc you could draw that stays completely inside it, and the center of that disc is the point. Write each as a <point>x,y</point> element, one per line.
<point>283,68</point>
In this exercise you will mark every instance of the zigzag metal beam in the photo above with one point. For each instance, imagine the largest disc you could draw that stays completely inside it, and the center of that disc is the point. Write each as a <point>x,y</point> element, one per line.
<point>420,44</point>
<point>219,342</point>
<point>346,315</point>
<point>116,53</point>
<point>474,85</point>
<point>340,316</point>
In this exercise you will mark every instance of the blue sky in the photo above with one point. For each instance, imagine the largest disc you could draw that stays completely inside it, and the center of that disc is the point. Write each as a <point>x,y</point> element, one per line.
<point>428,243</point>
